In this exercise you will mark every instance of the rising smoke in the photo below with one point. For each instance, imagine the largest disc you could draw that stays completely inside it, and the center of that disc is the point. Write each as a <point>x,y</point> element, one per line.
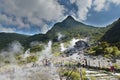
<point>72,42</point>
<point>46,53</point>
<point>13,49</point>
<point>60,36</point>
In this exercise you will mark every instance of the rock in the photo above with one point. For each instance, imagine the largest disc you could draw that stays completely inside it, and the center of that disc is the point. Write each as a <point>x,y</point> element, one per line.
<point>78,47</point>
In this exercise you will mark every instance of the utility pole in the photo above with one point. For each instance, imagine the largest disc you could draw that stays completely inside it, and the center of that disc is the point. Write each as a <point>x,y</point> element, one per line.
<point>81,74</point>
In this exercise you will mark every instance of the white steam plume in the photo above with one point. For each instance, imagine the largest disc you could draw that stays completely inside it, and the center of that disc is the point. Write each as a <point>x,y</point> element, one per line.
<point>60,36</point>
<point>46,53</point>
<point>72,42</point>
<point>13,49</point>
<point>62,47</point>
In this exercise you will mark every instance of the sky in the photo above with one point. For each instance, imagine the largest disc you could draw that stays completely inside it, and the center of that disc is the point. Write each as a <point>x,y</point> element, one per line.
<point>38,16</point>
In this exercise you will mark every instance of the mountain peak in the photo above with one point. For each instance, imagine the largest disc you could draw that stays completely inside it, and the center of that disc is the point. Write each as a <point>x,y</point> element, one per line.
<point>70,21</point>
<point>69,17</point>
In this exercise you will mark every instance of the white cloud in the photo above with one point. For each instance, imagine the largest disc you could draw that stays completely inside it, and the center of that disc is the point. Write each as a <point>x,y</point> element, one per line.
<point>99,5</point>
<point>12,21</point>
<point>39,12</point>
<point>72,1</point>
<point>36,11</point>
<point>117,2</point>
<point>104,5</point>
<point>83,8</point>
<point>7,30</point>
<point>85,5</point>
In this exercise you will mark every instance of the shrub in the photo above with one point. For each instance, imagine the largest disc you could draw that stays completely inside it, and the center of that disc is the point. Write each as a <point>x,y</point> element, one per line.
<point>75,75</point>
<point>31,59</point>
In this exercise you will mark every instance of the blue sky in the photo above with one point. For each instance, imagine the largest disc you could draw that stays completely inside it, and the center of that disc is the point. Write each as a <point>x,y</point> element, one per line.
<point>38,16</point>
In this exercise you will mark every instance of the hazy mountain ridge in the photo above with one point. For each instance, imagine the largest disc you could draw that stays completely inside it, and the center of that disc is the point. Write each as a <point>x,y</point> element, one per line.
<point>72,28</point>
<point>7,38</point>
<point>69,28</point>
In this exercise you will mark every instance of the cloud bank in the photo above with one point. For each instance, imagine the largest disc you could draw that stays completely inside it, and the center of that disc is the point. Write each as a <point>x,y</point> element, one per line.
<point>24,14</point>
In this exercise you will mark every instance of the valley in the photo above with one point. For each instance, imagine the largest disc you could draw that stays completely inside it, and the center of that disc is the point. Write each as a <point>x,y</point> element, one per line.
<point>70,50</point>
<point>51,67</point>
